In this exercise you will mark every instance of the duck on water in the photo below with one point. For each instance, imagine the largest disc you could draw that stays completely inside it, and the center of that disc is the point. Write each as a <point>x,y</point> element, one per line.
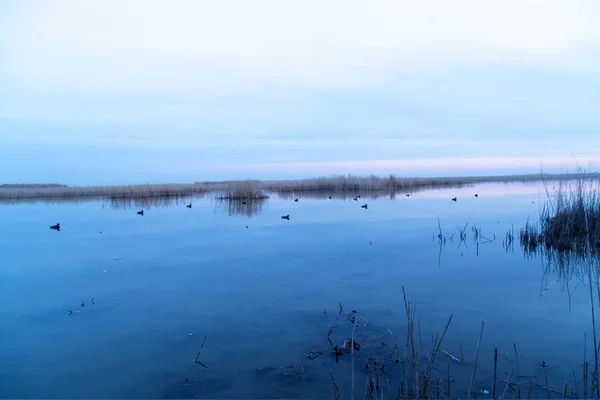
<point>55,227</point>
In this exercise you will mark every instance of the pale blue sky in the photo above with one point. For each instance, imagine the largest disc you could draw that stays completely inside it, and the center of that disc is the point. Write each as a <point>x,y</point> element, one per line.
<point>103,92</point>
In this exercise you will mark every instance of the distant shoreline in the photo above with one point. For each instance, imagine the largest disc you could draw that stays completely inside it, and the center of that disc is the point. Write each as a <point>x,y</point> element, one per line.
<point>261,189</point>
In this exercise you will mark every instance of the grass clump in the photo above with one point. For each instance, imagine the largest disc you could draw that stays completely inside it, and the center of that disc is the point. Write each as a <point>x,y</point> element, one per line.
<point>570,220</point>
<point>244,190</point>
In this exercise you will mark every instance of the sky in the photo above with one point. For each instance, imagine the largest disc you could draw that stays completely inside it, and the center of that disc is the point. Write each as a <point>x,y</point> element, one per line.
<point>125,91</point>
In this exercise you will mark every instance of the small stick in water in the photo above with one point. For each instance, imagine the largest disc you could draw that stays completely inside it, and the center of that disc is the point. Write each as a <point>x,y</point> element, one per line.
<point>341,309</point>
<point>507,383</point>
<point>476,357</point>
<point>336,392</point>
<point>495,368</point>
<point>198,355</point>
<point>518,372</point>
<point>547,386</point>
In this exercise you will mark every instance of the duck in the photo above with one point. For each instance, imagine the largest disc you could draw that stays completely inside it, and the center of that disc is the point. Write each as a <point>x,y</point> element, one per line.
<point>244,202</point>
<point>141,212</point>
<point>296,200</point>
<point>364,206</point>
<point>329,197</point>
<point>454,199</point>
<point>407,194</point>
<point>57,227</point>
<point>356,198</point>
<point>476,195</point>
<point>286,217</point>
<point>189,205</point>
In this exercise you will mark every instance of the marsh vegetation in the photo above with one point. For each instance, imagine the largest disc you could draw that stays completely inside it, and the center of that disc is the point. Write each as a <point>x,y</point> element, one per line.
<point>570,219</point>
<point>255,189</point>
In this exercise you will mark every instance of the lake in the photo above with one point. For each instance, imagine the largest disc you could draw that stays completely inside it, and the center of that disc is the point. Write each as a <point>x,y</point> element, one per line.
<point>117,305</point>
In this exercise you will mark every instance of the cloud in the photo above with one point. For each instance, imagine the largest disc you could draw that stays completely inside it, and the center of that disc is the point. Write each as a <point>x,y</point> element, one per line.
<point>293,86</point>
<point>178,44</point>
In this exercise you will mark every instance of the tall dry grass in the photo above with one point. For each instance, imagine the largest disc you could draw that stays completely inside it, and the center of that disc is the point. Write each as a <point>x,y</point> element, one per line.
<point>393,183</point>
<point>128,191</point>
<point>570,219</point>
<point>31,185</point>
<point>244,190</point>
<point>259,189</point>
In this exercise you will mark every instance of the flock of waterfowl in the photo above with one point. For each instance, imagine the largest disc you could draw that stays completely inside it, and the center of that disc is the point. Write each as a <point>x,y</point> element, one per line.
<point>365,206</point>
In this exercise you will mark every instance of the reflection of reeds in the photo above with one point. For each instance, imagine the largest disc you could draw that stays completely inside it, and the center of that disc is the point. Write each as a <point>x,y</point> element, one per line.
<point>247,207</point>
<point>570,231</point>
<point>130,191</point>
<point>148,202</point>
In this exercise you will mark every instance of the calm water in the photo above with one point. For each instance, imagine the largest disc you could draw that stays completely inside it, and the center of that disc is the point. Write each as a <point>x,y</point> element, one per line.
<point>265,291</point>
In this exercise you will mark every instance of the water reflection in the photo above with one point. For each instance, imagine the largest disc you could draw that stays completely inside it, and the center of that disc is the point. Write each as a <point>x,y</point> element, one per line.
<point>351,195</point>
<point>112,202</point>
<point>248,207</point>
<point>569,269</point>
<point>149,202</point>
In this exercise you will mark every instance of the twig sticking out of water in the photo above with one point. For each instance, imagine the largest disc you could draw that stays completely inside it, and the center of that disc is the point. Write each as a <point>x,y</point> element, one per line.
<point>495,370</point>
<point>341,309</point>
<point>547,385</point>
<point>476,358</point>
<point>336,392</point>
<point>463,232</point>
<point>197,361</point>
<point>518,371</point>
<point>352,347</point>
<point>574,388</point>
<point>507,383</point>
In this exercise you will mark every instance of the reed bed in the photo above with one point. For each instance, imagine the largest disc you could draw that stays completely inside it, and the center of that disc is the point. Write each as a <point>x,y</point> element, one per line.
<point>243,190</point>
<point>393,183</point>
<point>129,191</point>
<point>259,189</point>
<point>570,219</point>
<point>247,207</point>
<point>31,185</point>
